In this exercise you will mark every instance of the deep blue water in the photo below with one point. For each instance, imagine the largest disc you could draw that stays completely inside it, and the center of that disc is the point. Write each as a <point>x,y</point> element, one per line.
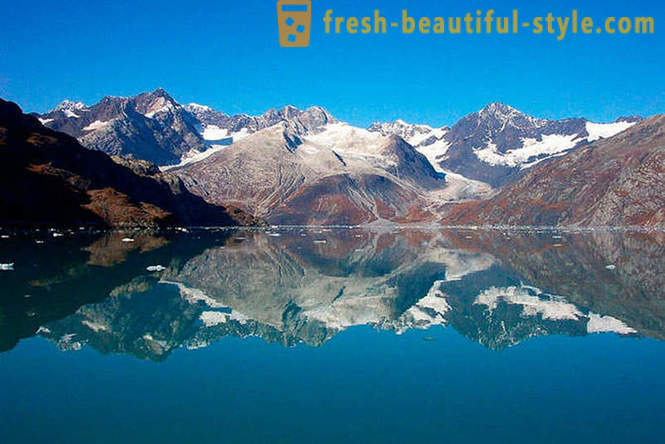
<point>281,371</point>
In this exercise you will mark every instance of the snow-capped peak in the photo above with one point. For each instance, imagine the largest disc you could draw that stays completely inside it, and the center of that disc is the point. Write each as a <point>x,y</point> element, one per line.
<point>509,116</point>
<point>499,108</point>
<point>69,105</point>
<point>414,134</point>
<point>196,106</point>
<point>429,141</point>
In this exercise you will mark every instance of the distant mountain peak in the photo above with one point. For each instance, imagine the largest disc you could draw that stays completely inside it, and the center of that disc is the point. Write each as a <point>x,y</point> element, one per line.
<point>503,112</point>
<point>629,119</point>
<point>158,101</point>
<point>161,92</point>
<point>499,108</point>
<point>320,109</point>
<point>69,105</point>
<point>199,107</point>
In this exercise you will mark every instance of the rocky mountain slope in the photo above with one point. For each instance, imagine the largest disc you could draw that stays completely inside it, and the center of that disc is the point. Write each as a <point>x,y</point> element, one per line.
<point>49,178</point>
<point>151,126</point>
<point>327,173</point>
<point>496,144</point>
<point>616,181</point>
<point>430,142</point>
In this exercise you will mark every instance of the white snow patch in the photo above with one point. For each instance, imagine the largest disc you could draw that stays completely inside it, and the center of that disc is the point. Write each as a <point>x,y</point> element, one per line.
<point>194,295</point>
<point>550,144</point>
<point>96,125</point>
<point>45,121</point>
<point>211,318</point>
<point>603,130</point>
<point>434,153</point>
<point>419,139</point>
<point>152,268</point>
<point>239,135</point>
<point>195,156</point>
<point>70,113</point>
<point>213,132</point>
<point>199,107</point>
<point>69,105</point>
<point>94,326</point>
<point>533,301</point>
<point>345,138</point>
<point>600,324</point>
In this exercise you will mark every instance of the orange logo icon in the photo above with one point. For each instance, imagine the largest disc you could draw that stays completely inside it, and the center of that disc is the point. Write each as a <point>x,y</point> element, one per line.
<point>294,18</point>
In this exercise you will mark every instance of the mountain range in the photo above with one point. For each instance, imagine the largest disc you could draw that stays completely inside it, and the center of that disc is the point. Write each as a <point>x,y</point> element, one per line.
<point>292,166</point>
<point>491,145</point>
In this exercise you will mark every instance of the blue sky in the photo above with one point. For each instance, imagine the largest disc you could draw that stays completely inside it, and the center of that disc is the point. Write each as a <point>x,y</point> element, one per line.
<point>226,54</point>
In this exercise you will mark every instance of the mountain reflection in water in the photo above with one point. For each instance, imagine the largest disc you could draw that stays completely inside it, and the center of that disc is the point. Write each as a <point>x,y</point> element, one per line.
<point>294,285</point>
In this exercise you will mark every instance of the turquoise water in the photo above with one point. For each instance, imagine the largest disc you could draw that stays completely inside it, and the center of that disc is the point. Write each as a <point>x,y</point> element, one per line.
<point>370,336</point>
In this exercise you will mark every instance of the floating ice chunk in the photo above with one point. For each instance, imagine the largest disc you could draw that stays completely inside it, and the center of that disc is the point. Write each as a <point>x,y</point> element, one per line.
<point>39,242</point>
<point>4,236</point>
<point>610,267</point>
<point>320,241</point>
<point>7,267</point>
<point>127,239</point>
<point>152,268</point>
<point>56,234</point>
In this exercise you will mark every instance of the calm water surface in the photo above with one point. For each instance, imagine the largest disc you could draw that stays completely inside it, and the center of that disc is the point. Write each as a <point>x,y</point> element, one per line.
<point>341,335</point>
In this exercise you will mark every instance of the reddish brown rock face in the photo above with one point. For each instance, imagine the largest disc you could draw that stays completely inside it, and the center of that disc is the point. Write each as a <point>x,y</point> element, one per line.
<point>618,181</point>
